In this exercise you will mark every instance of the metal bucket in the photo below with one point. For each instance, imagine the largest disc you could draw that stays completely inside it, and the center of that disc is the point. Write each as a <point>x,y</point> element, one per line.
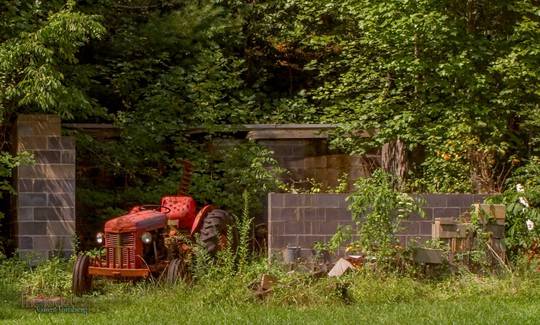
<point>291,254</point>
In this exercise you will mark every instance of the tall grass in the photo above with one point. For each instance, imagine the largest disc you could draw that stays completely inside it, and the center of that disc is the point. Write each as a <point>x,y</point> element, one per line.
<point>297,297</point>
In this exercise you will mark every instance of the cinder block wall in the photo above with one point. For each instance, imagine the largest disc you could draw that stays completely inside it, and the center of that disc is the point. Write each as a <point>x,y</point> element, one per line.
<point>45,204</point>
<point>312,158</point>
<point>302,219</point>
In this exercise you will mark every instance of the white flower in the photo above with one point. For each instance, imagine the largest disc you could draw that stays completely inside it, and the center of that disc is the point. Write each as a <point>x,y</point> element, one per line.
<point>530,224</point>
<point>520,188</point>
<point>524,201</point>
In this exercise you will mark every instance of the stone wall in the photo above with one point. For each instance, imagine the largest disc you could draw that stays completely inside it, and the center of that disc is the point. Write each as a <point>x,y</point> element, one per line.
<point>302,219</point>
<point>45,203</point>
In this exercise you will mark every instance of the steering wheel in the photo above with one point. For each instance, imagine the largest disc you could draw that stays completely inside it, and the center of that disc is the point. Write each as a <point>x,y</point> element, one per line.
<point>156,207</point>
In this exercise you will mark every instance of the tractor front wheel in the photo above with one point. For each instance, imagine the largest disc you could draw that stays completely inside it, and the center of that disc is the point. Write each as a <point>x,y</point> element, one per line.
<point>214,231</point>
<point>81,282</point>
<point>177,270</point>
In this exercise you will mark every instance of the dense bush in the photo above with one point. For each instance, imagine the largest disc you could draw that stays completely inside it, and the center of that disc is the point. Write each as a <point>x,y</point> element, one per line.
<point>522,200</point>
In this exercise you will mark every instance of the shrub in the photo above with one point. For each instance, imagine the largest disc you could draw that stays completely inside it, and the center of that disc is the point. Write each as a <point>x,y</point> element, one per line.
<point>522,200</point>
<point>377,209</point>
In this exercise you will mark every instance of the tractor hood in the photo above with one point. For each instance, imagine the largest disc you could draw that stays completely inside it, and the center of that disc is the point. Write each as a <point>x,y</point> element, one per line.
<point>145,220</point>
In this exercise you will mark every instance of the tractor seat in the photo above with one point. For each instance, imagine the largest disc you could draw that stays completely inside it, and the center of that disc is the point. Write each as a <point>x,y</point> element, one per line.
<point>183,209</point>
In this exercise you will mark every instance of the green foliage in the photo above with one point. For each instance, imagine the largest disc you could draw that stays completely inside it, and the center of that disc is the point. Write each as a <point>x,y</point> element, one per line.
<point>7,163</point>
<point>342,235</point>
<point>51,278</point>
<point>244,225</point>
<point>38,56</point>
<point>220,177</point>
<point>518,238</point>
<point>39,67</point>
<point>231,170</point>
<point>296,297</point>
<point>455,81</point>
<point>377,209</point>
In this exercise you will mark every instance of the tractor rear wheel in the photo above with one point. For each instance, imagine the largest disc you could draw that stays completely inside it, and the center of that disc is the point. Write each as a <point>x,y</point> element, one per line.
<point>177,270</point>
<point>81,282</point>
<point>214,231</point>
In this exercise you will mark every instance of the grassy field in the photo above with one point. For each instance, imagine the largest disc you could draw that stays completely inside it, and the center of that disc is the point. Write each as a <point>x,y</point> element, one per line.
<point>297,299</point>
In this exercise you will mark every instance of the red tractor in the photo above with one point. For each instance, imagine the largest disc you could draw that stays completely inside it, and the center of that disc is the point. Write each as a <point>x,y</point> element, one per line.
<point>153,240</point>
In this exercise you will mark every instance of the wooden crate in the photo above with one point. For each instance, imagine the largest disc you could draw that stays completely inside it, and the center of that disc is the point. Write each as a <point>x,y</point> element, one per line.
<point>444,228</point>
<point>494,211</point>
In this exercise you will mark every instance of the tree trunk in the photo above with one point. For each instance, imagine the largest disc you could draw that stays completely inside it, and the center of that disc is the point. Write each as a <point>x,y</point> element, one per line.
<point>394,160</point>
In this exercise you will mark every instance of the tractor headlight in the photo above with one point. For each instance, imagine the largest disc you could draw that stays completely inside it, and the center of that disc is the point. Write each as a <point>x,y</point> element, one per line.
<point>99,238</point>
<point>146,238</point>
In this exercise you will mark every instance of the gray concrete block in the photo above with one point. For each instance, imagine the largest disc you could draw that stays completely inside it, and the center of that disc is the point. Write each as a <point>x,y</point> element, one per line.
<point>30,199</point>
<point>61,228</point>
<point>275,214</point>
<point>446,212</point>
<point>425,228</point>
<point>57,171</point>
<point>428,214</point>
<point>58,243</point>
<point>314,214</point>
<point>24,185</point>
<point>60,143</point>
<point>435,200</point>
<point>293,200</point>
<point>276,200</point>
<point>54,213</point>
<point>31,143</point>
<point>459,200</point>
<point>294,227</point>
<point>67,156</point>
<point>62,200</point>
<point>316,227</point>
<point>338,214</point>
<point>25,214</point>
<point>54,185</point>
<point>276,228</point>
<point>280,242</point>
<point>292,214</point>
<point>328,200</point>
<point>47,156</point>
<point>25,242</point>
<point>31,228</point>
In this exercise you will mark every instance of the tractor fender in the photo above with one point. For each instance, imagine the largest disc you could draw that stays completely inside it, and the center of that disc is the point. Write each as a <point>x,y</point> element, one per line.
<point>200,217</point>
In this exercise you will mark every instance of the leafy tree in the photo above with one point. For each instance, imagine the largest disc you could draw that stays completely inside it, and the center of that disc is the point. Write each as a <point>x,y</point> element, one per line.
<point>164,71</point>
<point>39,44</point>
<point>38,54</point>
<point>446,83</point>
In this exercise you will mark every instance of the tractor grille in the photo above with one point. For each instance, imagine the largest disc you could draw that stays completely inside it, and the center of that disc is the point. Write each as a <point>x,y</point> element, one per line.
<point>120,250</point>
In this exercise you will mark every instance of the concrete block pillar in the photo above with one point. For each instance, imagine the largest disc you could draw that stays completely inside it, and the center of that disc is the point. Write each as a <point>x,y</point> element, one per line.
<point>45,201</point>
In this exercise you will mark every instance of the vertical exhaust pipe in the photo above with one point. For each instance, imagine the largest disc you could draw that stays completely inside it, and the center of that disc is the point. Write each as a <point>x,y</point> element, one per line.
<point>186,177</point>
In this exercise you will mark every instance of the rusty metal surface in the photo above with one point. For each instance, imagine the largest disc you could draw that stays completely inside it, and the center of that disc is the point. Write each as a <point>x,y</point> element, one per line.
<point>146,220</point>
<point>112,272</point>
<point>182,209</point>
<point>197,223</point>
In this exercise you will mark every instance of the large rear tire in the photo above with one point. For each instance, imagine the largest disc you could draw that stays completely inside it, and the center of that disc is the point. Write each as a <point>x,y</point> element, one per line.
<point>81,282</point>
<point>214,231</point>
